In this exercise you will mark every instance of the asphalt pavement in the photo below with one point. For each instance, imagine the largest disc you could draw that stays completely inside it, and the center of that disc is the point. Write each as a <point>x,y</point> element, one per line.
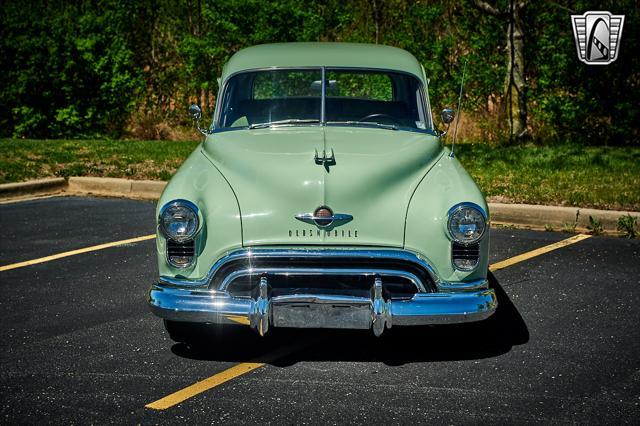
<point>80,346</point>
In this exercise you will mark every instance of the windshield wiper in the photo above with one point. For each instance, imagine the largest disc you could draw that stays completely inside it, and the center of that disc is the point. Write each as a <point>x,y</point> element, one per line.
<point>281,122</point>
<point>366,123</point>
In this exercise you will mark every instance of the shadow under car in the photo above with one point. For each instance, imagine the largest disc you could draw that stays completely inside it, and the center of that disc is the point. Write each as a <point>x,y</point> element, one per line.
<point>397,346</point>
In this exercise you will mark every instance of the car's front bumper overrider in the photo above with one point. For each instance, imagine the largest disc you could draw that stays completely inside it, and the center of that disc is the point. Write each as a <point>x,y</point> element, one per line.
<point>263,311</point>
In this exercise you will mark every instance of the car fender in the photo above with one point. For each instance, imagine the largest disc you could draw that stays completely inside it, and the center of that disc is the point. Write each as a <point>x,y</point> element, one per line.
<point>426,234</point>
<point>200,182</point>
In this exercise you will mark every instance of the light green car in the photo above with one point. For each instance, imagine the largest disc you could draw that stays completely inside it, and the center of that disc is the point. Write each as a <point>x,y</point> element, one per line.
<point>321,197</point>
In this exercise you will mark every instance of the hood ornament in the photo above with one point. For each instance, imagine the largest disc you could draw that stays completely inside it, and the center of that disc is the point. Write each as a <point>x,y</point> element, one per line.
<point>323,217</point>
<point>326,160</point>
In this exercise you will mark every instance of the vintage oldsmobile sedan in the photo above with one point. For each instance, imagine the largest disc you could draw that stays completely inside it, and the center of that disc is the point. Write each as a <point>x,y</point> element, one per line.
<point>321,197</point>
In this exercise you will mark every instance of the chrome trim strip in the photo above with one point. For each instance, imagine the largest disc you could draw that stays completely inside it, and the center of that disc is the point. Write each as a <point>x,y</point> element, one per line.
<point>428,102</point>
<point>321,271</point>
<point>258,253</point>
<point>321,299</point>
<point>479,284</point>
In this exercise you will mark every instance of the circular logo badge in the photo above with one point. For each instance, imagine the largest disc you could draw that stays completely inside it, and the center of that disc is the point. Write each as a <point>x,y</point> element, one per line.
<point>320,214</point>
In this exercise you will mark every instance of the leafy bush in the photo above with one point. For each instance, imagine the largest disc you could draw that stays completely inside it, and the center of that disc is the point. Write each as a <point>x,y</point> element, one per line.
<point>68,70</point>
<point>73,69</point>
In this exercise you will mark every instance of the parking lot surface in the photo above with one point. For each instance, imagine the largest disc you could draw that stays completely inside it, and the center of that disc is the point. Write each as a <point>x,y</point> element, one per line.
<point>80,346</point>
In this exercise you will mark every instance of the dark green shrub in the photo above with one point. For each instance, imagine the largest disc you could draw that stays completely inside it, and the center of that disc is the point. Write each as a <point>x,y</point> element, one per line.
<point>595,226</point>
<point>627,226</point>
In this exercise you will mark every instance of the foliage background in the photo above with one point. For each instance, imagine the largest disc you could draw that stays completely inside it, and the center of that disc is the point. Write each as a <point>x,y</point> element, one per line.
<point>119,68</point>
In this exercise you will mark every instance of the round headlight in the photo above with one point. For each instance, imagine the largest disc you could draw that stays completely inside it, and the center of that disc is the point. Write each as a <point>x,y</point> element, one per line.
<point>179,220</point>
<point>467,223</point>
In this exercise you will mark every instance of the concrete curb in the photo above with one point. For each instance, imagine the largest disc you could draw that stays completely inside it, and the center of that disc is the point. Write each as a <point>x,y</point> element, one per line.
<point>523,215</point>
<point>139,189</point>
<point>554,216</point>
<point>33,187</point>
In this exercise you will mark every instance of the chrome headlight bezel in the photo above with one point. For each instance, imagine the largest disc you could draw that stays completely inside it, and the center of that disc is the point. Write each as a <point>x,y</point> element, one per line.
<point>461,207</point>
<point>179,204</point>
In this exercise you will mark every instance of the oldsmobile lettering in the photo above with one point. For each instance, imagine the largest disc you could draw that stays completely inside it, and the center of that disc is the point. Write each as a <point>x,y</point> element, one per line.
<point>322,196</point>
<point>344,233</point>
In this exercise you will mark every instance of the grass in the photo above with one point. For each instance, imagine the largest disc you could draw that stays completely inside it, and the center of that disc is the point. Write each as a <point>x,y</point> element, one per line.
<point>32,159</point>
<point>572,175</point>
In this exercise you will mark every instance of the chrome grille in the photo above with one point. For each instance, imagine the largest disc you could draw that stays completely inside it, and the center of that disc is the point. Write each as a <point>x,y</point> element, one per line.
<point>357,285</point>
<point>329,272</point>
<point>333,268</point>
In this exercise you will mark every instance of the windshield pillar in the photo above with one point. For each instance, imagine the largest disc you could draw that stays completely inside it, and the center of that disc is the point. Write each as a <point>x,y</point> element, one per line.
<point>323,116</point>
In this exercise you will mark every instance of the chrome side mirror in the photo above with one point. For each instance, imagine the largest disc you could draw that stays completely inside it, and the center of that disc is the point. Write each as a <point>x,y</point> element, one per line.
<point>196,114</point>
<point>447,115</point>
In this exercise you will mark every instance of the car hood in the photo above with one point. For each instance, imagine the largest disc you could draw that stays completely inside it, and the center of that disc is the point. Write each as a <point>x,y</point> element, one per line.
<point>275,177</point>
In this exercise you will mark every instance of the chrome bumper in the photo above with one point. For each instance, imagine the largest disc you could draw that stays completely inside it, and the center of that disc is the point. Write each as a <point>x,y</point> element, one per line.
<point>319,310</point>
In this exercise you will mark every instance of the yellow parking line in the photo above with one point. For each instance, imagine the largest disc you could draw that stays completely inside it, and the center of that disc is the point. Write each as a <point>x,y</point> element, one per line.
<point>537,252</point>
<point>74,252</point>
<point>204,385</point>
<point>239,319</point>
<point>220,378</point>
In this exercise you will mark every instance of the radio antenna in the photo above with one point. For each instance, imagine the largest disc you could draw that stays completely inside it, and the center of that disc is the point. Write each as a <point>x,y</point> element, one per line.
<point>455,128</point>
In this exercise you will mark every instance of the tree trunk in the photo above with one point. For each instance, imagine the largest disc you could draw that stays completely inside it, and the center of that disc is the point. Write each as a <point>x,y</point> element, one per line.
<point>515,82</point>
<point>377,18</point>
<point>516,88</point>
<point>199,28</point>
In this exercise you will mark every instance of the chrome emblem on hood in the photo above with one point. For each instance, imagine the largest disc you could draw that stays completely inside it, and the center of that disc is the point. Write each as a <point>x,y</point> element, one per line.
<point>323,217</point>
<point>326,160</point>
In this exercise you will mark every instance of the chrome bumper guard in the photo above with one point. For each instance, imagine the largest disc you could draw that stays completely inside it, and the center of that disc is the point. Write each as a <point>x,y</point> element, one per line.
<point>320,310</point>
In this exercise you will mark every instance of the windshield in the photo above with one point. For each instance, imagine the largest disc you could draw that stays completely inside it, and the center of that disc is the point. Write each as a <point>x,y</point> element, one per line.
<point>293,97</point>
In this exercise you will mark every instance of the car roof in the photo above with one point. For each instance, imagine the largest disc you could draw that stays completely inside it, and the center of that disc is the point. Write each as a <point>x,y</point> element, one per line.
<point>356,55</point>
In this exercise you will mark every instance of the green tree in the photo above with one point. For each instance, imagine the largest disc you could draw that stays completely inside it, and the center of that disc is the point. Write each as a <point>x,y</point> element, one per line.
<point>105,67</point>
<point>68,69</point>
